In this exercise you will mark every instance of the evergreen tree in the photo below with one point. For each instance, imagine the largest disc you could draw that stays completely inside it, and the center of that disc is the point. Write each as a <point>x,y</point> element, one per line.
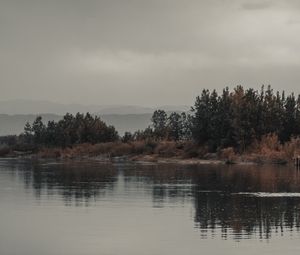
<point>175,126</point>
<point>201,118</point>
<point>159,123</point>
<point>39,131</point>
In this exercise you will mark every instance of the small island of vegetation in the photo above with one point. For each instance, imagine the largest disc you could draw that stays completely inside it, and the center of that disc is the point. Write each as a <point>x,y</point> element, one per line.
<point>243,125</point>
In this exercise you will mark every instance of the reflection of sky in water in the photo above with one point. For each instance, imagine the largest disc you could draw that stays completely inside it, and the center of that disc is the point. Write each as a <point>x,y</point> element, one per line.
<point>96,208</point>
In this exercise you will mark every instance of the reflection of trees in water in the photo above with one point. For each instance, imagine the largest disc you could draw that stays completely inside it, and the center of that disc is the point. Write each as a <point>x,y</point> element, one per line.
<point>245,178</point>
<point>167,183</point>
<point>212,189</point>
<point>246,215</point>
<point>248,179</point>
<point>73,181</point>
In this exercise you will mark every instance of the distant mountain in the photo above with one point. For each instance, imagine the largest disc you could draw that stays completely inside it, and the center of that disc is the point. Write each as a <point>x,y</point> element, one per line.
<point>43,107</point>
<point>131,109</point>
<point>174,108</point>
<point>15,113</point>
<point>127,122</point>
<point>13,107</point>
<point>124,109</point>
<point>14,124</point>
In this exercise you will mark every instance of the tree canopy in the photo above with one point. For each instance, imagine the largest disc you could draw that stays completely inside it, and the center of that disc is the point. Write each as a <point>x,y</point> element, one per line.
<point>81,128</point>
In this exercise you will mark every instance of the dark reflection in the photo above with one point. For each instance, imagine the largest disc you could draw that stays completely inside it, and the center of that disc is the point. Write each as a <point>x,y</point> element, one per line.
<point>78,182</point>
<point>226,199</point>
<point>246,215</point>
<point>270,203</point>
<point>166,183</point>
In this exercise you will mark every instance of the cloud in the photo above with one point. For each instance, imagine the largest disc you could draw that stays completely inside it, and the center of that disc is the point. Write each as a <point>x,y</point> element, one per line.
<point>257,5</point>
<point>144,52</point>
<point>126,62</point>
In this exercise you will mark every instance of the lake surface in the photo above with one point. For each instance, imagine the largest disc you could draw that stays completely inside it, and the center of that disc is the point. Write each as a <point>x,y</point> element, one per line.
<point>78,208</point>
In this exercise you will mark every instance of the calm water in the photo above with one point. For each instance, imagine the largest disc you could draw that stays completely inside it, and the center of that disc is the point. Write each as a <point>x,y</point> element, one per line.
<point>133,209</point>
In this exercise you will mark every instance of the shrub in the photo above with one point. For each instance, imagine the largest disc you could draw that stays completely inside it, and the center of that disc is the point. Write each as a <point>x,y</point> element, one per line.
<point>121,149</point>
<point>291,149</point>
<point>50,153</point>
<point>138,147</point>
<point>269,143</point>
<point>151,145</point>
<point>269,149</point>
<point>166,149</point>
<point>191,150</point>
<point>228,154</point>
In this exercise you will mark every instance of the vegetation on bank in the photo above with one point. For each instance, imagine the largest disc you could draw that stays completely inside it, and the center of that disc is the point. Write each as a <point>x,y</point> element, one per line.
<point>243,124</point>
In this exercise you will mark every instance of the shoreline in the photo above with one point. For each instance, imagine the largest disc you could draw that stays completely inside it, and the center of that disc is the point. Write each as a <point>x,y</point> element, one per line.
<point>150,158</point>
<point>199,161</point>
<point>185,153</point>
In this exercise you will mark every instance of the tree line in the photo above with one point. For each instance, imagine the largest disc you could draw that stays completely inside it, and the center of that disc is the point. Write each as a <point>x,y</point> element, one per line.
<point>70,130</point>
<point>236,118</point>
<point>243,116</point>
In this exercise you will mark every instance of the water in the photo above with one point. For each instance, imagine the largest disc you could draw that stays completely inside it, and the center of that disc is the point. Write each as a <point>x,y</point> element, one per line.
<point>77,208</point>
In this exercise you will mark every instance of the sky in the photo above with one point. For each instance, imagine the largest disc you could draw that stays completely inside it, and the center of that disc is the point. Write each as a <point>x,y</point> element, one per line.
<point>145,52</point>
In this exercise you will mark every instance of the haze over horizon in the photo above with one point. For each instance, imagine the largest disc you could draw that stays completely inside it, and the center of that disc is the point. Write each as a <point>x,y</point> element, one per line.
<point>15,113</point>
<point>146,53</point>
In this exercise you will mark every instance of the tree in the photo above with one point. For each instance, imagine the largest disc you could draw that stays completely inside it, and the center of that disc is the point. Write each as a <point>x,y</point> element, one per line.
<point>28,133</point>
<point>175,126</point>
<point>159,123</point>
<point>186,120</point>
<point>53,136</point>
<point>289,118</point>
<point>38,129</point>
<point>127,137</point>
<point>201,118</point>
<point>225,113</point>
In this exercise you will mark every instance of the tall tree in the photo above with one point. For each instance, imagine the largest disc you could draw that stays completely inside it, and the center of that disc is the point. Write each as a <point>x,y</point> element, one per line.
<point>39,130</point>
<point>175,126</point>
<point>159,123</point>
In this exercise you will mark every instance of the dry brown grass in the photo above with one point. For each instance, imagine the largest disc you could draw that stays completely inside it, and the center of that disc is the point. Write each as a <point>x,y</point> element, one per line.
<point>113,149</point>
<point>269,149</point>
<point>228,154</point>
<point>138,147</point>
<point>167,149</point>
<point>110,149</point>
<point>190,150</point>
<point>270,143</point>
<point>292,148</point>
<point>50,153</point>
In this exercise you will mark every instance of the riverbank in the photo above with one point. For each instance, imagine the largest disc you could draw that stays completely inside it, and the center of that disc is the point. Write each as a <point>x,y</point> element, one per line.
<point>199,161</point>
<point>164,152</point>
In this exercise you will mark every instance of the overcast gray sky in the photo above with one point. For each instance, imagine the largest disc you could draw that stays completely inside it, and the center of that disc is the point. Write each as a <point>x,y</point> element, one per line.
<point>145,52</point>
